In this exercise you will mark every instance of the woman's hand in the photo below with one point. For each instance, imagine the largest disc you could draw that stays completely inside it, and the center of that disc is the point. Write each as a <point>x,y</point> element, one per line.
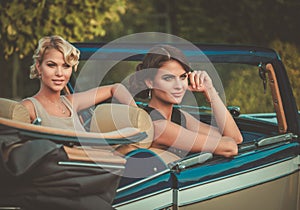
<point>201,82</point>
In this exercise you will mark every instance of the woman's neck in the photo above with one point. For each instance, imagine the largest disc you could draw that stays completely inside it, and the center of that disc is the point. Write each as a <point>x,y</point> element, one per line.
<point>164,108</point>
<point>52,103</point>
<point>48,95</point>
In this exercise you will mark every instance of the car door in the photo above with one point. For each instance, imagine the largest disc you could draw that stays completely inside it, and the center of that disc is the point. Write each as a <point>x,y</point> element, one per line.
<point>264,177</point>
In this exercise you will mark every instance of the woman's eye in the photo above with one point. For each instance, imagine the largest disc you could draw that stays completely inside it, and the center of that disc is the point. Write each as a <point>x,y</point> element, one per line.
<point>51,64</point>
<point>168,78</point>
<point>66,66</point>
<point>183,76</point>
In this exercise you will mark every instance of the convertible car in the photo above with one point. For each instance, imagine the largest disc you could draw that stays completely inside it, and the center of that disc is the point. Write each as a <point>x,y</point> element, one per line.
<point>253,83</point>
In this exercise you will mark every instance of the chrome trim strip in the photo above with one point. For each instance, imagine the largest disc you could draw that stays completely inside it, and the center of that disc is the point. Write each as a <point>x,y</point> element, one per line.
<point>276,139</point>
<point>185,163</point>
<point>95,165</point>
<point>202,192</point>
<point>143,180</point>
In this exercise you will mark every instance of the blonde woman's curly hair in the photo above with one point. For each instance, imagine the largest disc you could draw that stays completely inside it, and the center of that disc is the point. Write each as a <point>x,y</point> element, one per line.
<point>71,54</point>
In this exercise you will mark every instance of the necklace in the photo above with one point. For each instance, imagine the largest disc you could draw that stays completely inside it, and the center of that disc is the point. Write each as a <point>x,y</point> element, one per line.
<point>62,107</point>
<point>59,105</point>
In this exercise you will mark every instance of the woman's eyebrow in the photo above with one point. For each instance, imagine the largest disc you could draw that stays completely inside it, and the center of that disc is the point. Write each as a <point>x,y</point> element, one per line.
<point>169,75</point>
<point>50,61</point>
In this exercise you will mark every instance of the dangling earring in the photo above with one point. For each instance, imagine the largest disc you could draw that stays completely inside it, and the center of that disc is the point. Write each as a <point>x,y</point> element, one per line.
<point>150,93</point>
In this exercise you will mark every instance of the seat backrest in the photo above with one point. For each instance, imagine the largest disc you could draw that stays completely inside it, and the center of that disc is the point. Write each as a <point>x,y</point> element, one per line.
<point>13,110</point>
<point>112,117</point>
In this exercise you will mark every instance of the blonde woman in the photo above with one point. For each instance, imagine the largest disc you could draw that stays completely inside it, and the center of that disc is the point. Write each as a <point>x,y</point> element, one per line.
<point>53,63</point>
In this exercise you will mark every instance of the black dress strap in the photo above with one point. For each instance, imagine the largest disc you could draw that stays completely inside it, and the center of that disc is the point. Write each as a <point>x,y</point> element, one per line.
<point>177,116</point>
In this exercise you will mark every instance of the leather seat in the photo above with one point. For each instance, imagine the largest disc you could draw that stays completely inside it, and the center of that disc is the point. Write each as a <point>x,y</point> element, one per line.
<point>113,117</point>
<point>13,110</point>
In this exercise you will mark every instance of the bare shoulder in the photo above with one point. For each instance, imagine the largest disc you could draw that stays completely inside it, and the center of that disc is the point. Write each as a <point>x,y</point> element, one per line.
<point>69,97</point>
<point>27,103</point>
<point>30,107</point>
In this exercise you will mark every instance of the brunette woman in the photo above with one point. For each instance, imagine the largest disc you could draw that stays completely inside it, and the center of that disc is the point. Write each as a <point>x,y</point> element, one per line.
<point>165,76</point>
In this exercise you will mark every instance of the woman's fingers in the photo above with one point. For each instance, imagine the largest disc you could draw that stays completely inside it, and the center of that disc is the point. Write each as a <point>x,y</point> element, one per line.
<point>203,76</point>
<point>195,79</point>
<point>199,80</point>
<point>192,79</point>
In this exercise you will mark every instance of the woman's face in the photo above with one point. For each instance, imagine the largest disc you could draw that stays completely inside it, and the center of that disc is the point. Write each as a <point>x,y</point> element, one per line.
<point>55,72</point>
<point>170,83</point>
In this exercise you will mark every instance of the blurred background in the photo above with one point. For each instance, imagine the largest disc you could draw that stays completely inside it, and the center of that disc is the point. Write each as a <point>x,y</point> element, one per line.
<point>266,23</point>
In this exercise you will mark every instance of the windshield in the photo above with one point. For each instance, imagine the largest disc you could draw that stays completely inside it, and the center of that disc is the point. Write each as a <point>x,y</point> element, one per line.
<point>241,86</point>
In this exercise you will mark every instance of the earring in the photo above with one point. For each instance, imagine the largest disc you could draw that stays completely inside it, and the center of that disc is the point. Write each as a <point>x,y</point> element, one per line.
<point>150,93</point>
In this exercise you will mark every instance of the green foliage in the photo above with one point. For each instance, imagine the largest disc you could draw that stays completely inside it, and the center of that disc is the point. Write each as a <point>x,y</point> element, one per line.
<point>140,16</point>
<point>24,22</point>
<point>232,21</point>
<point>244,88</point>
<point>256,22</point>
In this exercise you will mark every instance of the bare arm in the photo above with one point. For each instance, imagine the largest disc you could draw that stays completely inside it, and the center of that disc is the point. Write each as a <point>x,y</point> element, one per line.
<point>30,107</point>
<point>201,82</point>
<point>94,96</point>
<point>195,125</point>
<point>170,134</point>
<point>225,121</point>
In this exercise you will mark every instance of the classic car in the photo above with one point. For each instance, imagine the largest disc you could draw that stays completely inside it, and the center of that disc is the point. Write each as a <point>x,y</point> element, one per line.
<point>254,84</point>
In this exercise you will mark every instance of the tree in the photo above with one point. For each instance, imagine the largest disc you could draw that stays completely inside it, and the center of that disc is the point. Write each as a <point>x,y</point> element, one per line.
<point>24,22</point>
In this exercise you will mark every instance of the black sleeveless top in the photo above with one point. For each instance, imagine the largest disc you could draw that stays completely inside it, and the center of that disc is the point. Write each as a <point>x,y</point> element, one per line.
<point>177,116</point>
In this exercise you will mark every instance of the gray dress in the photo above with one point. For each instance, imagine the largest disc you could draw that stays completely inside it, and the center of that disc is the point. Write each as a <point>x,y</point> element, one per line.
<point>71,123</point>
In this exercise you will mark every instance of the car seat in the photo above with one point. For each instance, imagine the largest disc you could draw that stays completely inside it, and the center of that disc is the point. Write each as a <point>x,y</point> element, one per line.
<point>13,110</point>
<point>37,173</point>
<point>114,117</point>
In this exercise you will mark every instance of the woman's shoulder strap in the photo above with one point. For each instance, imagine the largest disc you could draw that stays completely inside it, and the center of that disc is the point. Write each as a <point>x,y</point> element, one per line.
<point>178,117</point>
<point>154,114</point>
